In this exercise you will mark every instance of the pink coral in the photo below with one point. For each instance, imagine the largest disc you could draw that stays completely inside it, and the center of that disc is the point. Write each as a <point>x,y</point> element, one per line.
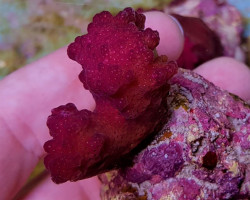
<point>129,84</point>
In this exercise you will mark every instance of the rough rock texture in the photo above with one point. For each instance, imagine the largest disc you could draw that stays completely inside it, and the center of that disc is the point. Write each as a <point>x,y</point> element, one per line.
<point>202,152</point>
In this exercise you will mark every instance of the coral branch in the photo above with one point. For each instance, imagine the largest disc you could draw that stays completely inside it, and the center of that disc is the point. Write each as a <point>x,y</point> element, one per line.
<point>129,84</point>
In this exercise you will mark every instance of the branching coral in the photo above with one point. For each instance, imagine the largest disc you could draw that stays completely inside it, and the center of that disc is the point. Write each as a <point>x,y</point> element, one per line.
<point>128,81</point>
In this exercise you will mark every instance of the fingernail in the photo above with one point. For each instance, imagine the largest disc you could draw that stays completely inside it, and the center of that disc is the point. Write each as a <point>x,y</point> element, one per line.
<point>178,24</point>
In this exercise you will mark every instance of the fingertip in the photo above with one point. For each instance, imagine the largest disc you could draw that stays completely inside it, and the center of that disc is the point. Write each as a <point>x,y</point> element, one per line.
<point>170,31</point>
<point>91,187</point>
<point>229,74</point>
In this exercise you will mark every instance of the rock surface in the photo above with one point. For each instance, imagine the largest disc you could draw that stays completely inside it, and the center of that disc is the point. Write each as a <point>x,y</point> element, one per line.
<point>202,152</point>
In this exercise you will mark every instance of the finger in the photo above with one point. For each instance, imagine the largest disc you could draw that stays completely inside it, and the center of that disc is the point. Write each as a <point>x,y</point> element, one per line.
<point>28,95</point>
<point>228,74</point>
<point>88,189</point>
<point>170,31</point>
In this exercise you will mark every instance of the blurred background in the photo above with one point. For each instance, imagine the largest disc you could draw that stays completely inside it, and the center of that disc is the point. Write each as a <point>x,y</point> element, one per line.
<point>30,29</point>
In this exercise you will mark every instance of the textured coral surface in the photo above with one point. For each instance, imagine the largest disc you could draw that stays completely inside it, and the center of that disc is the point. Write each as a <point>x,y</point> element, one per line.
<point>202,152</point>
<point>129,84</point>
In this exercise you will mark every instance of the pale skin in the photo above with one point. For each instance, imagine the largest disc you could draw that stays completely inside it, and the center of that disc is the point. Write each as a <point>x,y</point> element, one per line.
<point>28,95</point>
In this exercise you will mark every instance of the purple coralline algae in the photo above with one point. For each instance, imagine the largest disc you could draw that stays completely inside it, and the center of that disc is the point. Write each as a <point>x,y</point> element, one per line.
<point>202,152</point>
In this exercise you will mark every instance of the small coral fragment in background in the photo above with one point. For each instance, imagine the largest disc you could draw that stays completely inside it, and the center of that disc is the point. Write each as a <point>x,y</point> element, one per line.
<point>200,45</point>
<point>221,17</point>
<point>129,84</point>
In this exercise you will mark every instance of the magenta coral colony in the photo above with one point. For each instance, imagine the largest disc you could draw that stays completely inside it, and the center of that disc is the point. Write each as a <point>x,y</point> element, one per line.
<point>129,85</point>
<point>181,136</point>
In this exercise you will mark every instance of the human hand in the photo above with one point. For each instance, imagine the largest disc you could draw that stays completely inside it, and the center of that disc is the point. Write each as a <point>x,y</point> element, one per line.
<point>28,95</point>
